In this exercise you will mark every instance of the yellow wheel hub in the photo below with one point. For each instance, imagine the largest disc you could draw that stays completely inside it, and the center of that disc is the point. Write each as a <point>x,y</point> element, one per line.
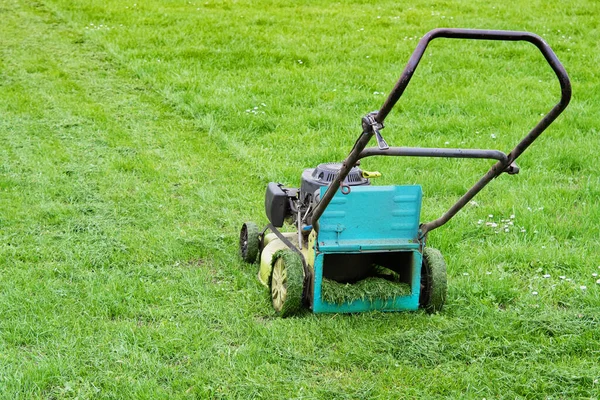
<point>278,285</point>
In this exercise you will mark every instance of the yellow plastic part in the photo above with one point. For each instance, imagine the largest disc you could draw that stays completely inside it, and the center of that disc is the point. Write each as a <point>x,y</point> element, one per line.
<point>371,174</point>
<point>272,244</point>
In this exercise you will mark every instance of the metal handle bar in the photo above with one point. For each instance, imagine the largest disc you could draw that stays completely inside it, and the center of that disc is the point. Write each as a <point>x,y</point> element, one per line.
<point>433,152</point>
<point>503,164</point>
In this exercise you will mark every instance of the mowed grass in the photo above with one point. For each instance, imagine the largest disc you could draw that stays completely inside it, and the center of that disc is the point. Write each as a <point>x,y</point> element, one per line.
<point>137,137</point>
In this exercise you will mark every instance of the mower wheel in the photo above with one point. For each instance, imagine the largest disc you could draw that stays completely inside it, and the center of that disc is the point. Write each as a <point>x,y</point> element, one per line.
<point>249,242</point>
<point>286,283</point>
<point>433,281</point>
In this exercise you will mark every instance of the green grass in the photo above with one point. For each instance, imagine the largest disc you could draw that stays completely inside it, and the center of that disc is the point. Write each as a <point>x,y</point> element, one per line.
<point>131,152</point>
<point>370,289</point>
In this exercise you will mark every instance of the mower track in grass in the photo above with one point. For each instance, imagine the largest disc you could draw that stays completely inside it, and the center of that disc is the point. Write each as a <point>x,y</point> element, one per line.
<point>129,162</point>
<point>94,164</point>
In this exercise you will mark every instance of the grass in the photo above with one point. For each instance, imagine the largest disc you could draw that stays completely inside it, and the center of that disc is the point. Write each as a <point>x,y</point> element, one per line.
<point>136,138</point>
<point>370,289</point>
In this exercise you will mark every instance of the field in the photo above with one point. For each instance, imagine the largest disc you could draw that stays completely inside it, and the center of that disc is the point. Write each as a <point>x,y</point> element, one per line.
<point>137,137</point>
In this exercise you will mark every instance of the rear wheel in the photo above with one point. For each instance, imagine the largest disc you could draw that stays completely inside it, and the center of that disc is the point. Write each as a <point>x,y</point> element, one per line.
<point>249,242</point>
<point>433,281</point>
<point>286,283</point>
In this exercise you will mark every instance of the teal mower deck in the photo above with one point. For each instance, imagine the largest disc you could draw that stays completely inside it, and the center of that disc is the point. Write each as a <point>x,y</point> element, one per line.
<point>351,246</point>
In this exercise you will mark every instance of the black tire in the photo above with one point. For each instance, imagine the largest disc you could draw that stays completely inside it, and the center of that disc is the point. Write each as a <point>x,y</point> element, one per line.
<point>249,242</point>
<point>286,283</point>
<point>434,283</point>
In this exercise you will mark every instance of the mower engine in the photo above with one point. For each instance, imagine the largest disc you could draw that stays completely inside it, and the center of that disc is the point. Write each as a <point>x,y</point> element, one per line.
<point>296,205</point>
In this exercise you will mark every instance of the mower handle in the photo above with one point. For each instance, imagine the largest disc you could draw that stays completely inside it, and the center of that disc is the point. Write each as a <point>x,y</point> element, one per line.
<point>374,121</point>
<point>478,34</point>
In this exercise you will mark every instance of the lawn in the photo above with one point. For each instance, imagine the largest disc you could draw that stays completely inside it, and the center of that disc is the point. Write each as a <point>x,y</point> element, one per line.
<point>137,137</point>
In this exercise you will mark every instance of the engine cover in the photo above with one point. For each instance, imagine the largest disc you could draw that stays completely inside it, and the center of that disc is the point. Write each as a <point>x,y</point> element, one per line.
<point>323,175</point>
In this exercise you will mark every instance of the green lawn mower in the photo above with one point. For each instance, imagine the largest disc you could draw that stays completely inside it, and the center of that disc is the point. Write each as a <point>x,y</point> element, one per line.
<point>358,247</point>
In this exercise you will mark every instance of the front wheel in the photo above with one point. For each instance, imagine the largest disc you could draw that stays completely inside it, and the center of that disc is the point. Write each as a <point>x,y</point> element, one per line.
<point>433,281</point>
<point>286,283</point>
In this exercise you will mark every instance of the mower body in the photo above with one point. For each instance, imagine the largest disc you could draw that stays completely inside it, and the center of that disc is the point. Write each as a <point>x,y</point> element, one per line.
<point>354,237</point>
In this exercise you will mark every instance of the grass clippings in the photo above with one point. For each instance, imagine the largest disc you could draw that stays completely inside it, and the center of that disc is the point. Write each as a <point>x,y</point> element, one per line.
<point>371,288</point>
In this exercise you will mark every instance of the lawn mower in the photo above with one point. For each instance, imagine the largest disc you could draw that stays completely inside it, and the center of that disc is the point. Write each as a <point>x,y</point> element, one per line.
<point>359,247</point>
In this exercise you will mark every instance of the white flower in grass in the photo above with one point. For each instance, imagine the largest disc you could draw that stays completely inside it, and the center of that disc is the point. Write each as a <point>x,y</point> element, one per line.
<point>598,281</point>
<point>594,274</point>
<point>534,293</point>
<point>562,277</point>
<point>546,276</point>
<point>583,287</point>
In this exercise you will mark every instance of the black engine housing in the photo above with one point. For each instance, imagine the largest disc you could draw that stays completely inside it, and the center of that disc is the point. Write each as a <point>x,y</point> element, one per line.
<point>282,202</point>
<point>323,175</point>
